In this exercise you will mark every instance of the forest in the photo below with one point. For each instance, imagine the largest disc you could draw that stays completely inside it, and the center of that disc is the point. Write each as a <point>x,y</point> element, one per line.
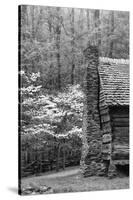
<point>51,78</point>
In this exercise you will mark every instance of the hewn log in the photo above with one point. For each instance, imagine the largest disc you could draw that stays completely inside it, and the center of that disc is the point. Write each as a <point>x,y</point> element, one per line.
<point>121,162</point>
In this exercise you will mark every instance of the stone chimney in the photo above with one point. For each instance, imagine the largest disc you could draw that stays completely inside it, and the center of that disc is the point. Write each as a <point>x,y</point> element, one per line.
<point>91,159</point>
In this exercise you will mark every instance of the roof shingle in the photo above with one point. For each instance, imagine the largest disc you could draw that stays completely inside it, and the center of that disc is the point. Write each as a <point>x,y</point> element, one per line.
<point>114,78</point>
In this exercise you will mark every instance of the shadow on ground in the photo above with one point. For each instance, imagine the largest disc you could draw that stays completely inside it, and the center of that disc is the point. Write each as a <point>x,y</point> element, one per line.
<point>13,190</point>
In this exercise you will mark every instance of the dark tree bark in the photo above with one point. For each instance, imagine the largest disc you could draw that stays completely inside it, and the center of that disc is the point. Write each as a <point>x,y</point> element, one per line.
<point>88,20</point>
<point>64,155</point>
<point>111,33</point>
<point>64,158</point>
<point>50,27</point>
<point>97,28</point>
<point>81,20</point>
<point>57,157</point>
<point>24,21</point>
<point>72,45</point>
<point>24,14</point>
<point>58,35</point>
<point>33,22</point>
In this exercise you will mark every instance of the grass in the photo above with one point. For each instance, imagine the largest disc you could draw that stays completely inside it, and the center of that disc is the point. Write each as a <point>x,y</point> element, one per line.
<point>77,183</point>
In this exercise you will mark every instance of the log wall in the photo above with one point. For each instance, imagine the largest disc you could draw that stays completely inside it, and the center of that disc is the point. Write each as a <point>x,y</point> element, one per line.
<point>120,132</point>
<point>105,126</point>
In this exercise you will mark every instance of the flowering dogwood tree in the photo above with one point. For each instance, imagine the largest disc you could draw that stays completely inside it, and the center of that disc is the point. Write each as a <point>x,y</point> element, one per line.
<point>50,119</point>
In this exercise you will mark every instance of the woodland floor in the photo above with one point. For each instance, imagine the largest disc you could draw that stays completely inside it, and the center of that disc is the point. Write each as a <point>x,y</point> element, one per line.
<point>71,180</point>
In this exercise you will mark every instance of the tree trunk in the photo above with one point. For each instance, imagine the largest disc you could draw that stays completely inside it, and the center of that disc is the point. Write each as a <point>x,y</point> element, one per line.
<point>50,53</point>
<point>88,21</point>
<point>64,156</point>
<point>111,33</point>
<point>58,34</point>
<point>72,45</point>
<point>58,157</point>
<point>24,14</point>
<point>97,28</point>
<point>33,21</point>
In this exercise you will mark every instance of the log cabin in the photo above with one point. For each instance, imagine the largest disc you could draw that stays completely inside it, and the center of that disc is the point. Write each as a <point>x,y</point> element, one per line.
<point>106,114</point>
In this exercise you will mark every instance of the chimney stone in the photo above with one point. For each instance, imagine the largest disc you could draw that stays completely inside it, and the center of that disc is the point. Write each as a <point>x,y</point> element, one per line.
<point>91,159</point>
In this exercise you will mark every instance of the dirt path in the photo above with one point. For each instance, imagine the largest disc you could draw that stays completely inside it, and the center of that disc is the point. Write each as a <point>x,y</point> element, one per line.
<point>70,180</point>
<point>63,173</point>
<point>67,172</point>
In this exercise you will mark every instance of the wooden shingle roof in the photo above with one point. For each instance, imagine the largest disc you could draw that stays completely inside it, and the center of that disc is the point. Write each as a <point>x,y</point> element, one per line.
<point>114,80</point>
